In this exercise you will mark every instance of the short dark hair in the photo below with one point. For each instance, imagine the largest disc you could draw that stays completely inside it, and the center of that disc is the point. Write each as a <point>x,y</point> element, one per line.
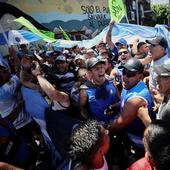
<point>140,45</point>
<point>84,139</point>
<point>23,46</point>
<point>158,142</point>
<point>74,47</point>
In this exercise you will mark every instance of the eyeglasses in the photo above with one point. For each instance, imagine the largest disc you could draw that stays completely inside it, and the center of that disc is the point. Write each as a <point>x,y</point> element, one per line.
<point>123,52</point>
<point>129,73</point>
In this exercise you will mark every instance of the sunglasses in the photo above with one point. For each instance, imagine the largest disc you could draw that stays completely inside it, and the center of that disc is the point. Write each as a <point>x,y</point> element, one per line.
<point>129,73</point>
<point>123,52</point>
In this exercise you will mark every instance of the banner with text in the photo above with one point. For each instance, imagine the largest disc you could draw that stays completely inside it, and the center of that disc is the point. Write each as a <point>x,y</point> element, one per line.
<point>117,10</point>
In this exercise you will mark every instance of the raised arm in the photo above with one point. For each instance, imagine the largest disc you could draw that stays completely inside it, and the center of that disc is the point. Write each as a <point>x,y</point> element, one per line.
<point>48,88</point>
<point>109,35</point>
<point>38,57</point>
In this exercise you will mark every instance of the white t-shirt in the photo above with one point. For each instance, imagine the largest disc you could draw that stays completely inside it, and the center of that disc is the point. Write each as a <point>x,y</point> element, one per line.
<point>153,75</point>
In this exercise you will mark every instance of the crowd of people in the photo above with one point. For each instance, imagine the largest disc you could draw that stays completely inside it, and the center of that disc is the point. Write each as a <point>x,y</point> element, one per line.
<point>103,108</point>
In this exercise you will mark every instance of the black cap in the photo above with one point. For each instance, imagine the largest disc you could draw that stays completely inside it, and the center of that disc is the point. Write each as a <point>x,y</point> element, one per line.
<point>163,70</point>
<point>93,61</point>
<point>158,41</point>
<point>134,65</point>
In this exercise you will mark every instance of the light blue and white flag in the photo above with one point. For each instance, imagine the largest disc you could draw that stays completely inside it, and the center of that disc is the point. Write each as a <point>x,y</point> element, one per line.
<point>16,37</point>
<point>122,30</point>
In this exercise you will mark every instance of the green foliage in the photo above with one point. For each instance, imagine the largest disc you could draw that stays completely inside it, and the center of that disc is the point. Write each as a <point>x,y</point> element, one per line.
<point>161,11</point>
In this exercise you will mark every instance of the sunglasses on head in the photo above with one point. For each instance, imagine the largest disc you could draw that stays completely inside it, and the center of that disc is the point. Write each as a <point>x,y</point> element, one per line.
<point>129,73</point>
<point>123,52</point>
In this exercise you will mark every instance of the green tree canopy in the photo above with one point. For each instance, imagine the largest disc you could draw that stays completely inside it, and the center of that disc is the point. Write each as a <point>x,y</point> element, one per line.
<point>162,11</point>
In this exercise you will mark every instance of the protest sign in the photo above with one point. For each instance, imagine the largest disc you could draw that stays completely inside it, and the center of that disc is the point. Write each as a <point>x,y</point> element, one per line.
<point>117,10</point>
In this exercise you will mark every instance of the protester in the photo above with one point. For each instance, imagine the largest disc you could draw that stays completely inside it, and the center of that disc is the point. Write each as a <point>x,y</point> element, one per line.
<point>116,73</point>
<point>104,53</point>
<point>157,148</point>
<point>158,48</point>
<point>87,146</point>
<point>142,50</point>
<point>108,64</point>
<point>37,103</point>
<point>121,43</point>
<point>23,51</point>
<point>136,105</point>
<point>82,77</point>
<point>63,77</point>
<point>163,80</point>
<point>76,50</point>
<point>89,53</point>
<point>100,46</point>
<point>10,99</point>
<point>79,61</point>
<point>59,98</point>
<point>48,65</point>
<point>97,94</point>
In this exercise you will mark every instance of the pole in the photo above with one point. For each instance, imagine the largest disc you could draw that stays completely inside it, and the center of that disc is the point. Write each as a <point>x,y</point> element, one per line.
<point>137,12</point>
<point>127,19</point>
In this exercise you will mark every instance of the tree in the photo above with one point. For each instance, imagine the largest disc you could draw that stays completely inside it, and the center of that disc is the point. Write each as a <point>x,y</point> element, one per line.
<point>162,12</point>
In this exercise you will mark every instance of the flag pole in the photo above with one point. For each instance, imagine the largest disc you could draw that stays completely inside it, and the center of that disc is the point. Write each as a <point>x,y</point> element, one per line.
<point>127,19</point>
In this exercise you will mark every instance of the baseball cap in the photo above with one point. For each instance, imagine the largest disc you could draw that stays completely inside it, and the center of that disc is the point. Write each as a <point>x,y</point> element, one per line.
<point>93,61</point>
<point>61,58</point>
<point>65,52</point>
<point>158,41</point>
<point>121,41</point>
<point>101,42</point>
<point>52,53</point>
<point>134,65</point>
<point>89,50</point>
<point>79,57</point>
<point>48,53</point>
<point>163,70</point>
